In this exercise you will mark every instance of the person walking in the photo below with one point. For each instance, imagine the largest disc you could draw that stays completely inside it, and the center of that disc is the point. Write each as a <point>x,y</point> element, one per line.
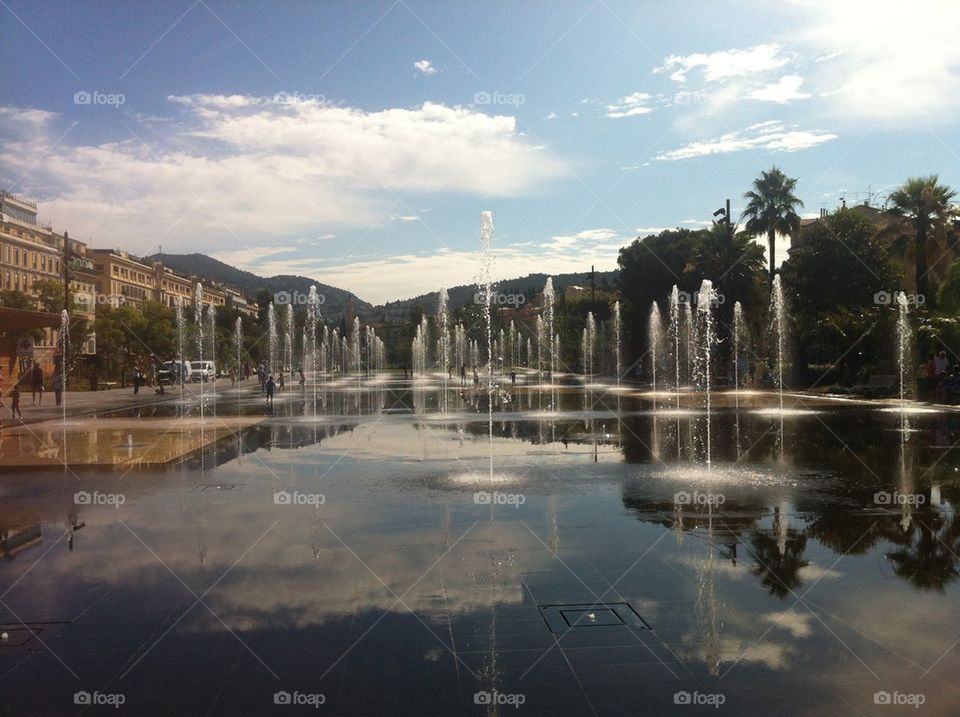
<point>513,378</point>
<point>303,378</point>
<point>270,386</point>
<point>137,379</point>
<point>463,375</point>
<point>58,386</point>
<point>476,377</point>
<point>36,384</point>
<point>15,403</point>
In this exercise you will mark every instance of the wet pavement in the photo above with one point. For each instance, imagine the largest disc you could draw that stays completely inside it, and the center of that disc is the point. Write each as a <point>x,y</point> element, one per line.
<point>372,552</point>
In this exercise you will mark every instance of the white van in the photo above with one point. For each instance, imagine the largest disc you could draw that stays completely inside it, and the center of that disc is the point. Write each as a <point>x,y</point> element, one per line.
<point>171,372</point>
<point>202,371</point>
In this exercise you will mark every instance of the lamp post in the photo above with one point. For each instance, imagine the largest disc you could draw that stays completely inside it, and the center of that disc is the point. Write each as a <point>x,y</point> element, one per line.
<point>724,218</point>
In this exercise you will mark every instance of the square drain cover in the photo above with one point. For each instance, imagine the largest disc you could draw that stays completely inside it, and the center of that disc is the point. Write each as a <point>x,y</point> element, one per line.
<point>562,618</point>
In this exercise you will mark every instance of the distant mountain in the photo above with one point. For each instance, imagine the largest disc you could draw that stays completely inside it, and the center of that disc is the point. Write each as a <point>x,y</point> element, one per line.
<point>529,286</point>
<point>335,299</point>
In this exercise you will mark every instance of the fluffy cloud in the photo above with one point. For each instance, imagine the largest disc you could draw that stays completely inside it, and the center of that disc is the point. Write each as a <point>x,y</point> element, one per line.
<point>425,67</point>
<point>630,106</point>
<point>785,90</point>
<point>725,63</point>
<point>234,168</point>
<point>772,136</point>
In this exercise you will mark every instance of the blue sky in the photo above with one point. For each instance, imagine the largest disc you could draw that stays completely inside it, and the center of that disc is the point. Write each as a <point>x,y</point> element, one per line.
<point>357,143</point>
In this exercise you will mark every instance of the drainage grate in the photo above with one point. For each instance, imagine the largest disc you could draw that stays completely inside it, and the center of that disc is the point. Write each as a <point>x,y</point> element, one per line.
<point>203,487</point>
<point>563,618</point>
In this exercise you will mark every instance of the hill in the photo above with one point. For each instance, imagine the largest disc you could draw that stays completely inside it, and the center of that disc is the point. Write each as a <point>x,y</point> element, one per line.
<point>529,286</point>
<point>335,299</point>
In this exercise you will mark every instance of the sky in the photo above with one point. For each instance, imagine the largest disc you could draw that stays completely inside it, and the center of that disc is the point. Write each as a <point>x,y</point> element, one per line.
<point>358,143</point>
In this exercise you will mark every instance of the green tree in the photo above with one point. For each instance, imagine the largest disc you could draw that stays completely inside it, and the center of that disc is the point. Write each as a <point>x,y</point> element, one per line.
<point>926,203</point>
<point>772,208</point>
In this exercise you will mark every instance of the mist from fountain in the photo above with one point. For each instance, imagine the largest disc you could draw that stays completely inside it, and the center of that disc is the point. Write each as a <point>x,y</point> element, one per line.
<point>486,272</point>
<point>655,337</point>
<point>704,354</point>
<point>777,332</point>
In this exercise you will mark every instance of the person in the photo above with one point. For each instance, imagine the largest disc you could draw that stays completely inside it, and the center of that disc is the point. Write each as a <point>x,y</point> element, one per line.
<point>269,386</point>
<point>282,384</point>
<point>513,378</point>
<point>137,379</point>
<point>15,403</point>
<point>58,386</point>
<point>303,378</point>
<point>942,364</point>
<point>476,377</point>
<point>36,384</point>
<point>463,375</point>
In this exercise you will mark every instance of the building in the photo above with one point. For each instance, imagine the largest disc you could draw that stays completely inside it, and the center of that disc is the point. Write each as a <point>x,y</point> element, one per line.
<point>123,278</point>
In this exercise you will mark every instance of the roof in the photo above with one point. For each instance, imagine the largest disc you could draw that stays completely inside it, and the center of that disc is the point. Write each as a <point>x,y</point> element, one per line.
<point>22,319</point>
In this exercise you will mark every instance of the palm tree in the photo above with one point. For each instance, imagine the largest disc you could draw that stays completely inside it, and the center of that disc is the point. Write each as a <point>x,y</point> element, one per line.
<point>771,208</point>
<point>926,203</point>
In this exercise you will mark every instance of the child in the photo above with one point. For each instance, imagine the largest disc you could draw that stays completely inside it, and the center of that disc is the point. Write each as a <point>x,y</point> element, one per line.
<point>270,385</point>
<point>15,403</point>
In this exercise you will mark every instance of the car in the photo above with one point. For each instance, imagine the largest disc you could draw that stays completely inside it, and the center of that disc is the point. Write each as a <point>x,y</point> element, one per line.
<point>170,372</point>
<point>202,371</point>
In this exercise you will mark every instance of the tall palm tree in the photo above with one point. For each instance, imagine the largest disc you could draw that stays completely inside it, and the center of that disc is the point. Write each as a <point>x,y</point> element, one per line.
<point>926,203</point>
<point>771,208</point>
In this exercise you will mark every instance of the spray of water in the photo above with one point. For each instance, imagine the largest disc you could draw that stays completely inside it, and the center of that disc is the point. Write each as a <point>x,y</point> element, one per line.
<point>486,272</point>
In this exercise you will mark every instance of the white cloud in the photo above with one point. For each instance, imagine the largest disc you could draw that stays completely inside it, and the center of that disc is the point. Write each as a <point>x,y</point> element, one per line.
<point>724,64</point>
<point>425,67</point>
<point>236,168</point>
<point>551,116</point>
<point>900,61</point>
<point>630,106</point>
<point>785,90</point>
<point>772,136</point>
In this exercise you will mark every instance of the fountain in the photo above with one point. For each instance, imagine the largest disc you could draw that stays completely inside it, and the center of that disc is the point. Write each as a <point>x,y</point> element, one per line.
<point>486,270</point>
<point>591,344</point>
<point>675,339</point>
<point>178,310</point>
<point>739,334</point>
<point>655,334</point>
<point>288,345</point>
<point>616,339</point>
<point>903,343</point>
<point>702,360</point>
<point>272,339</point>
<point>777,333</point>
<point>238,345</point>
<point>548,310</point>
<point>198,321</point>
<point>212,322</point>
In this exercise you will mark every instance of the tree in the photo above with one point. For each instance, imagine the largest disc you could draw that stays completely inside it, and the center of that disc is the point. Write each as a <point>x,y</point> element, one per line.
<point>771,208</point>
<point>926,203</point>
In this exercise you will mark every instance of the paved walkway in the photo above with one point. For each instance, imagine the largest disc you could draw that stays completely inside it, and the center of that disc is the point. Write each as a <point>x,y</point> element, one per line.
<point>85,403</point>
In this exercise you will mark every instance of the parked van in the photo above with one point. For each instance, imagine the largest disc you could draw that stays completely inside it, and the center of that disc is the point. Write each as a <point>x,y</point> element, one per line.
<point>202,371</point>
<point>172,372</point>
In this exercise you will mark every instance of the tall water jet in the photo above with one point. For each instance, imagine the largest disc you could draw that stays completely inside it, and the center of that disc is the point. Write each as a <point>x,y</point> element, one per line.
<point>704,348</point>
<point>64,341</point>
<point>548,299</point>
<point>541,339</point>
<point>591,343</point>
<point>355,346</point>
<point>178,311</point>
<point>655,335</point>
<point>238,345</point>
<point>443,327</point>
<point>272,338</point>
<point>486,271</point>
<point>675,339</point>
<point>212,325</point>
<point>288,343</point>
<point>198,321</point>
<point>777,331</point>
<point>617,329</point>
<point>903,343</point>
